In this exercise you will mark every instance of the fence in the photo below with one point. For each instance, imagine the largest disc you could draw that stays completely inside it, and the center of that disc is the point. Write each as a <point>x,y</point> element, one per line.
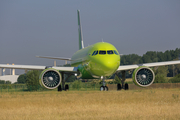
<point>153,86</point>
<point>81,87</point>
<point>24,88</point>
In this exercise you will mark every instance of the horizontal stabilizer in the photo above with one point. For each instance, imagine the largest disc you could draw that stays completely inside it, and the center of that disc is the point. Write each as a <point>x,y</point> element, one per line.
<point>57,58</point>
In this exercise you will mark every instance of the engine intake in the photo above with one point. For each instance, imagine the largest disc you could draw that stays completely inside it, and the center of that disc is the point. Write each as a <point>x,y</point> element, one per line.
<point>50,78</point>
<point>143,76</point>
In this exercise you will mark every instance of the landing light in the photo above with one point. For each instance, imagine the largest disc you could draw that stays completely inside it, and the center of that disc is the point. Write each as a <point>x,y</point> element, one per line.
<point>75,74</point>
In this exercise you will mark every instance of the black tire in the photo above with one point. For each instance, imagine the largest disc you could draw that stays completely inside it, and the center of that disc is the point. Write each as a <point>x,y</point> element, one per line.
<point>102,88</point>
<point>66,87</point>
<point>59,88</point>
<point>105,88</point>
<point>126,86</point>
<point>119,87</point>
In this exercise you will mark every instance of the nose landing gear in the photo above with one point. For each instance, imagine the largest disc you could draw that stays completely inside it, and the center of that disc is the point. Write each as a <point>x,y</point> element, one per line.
<point>103,87</point>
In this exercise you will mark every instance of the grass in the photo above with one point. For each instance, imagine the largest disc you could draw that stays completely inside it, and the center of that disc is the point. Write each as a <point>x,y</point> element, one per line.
<point>79,105</point>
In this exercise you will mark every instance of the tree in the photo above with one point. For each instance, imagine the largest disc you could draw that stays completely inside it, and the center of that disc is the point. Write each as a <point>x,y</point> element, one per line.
<point>22,79</point>
<point>175,79</point>
<point>161,74</point>
<point>2,82</point>
<point>32,80</point>
<point>168,55</point>
<point>153,56</point>
<point>177,69</point>
<point>8,82</point>
<point>146,59</point>
<point>130,59</point>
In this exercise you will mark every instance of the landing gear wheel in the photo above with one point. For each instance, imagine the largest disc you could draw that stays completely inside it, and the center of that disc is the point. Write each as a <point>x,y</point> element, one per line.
<point>119,87</point>
<point>105,88</point>
<point>66,87</point>
<point>59,88</point>
<point>102,88</point>
<point>126,86</point>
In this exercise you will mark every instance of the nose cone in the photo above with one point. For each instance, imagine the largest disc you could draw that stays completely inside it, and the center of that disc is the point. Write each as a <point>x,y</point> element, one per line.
<point>108,64</point>
<point>105,66</point>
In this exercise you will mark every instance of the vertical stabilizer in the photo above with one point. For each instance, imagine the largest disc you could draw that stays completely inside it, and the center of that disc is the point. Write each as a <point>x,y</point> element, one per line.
<point>81,44</point>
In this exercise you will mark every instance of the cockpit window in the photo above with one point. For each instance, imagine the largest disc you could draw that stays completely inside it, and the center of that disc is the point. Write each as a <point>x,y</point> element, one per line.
<point>115,52</point>
<point>102,52</point>
<point>110,52</point>
<point>95,53</point>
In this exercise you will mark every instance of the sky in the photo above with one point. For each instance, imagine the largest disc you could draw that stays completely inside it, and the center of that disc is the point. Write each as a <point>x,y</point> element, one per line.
<point>49,27</point>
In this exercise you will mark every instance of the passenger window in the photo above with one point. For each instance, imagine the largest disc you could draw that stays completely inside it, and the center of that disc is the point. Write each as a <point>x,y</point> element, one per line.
<point>95,53</point>
<point>110,52</point>
<point>102,52</point>
<point>116,52</point>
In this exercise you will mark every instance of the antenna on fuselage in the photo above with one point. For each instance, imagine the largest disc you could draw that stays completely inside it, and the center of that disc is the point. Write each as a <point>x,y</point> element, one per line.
<point>81,44</point>
<point>102,40</point>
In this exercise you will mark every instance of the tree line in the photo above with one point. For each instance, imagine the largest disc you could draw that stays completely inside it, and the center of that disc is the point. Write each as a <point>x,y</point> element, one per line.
<point>153,56</point>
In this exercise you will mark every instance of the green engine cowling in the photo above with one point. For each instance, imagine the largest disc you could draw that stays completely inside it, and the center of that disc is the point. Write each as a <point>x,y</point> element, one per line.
<point>143,76</point>
<point>50,78</point>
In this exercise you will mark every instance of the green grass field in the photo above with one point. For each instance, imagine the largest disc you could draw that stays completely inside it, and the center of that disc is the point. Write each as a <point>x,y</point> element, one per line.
<point>75,105</point>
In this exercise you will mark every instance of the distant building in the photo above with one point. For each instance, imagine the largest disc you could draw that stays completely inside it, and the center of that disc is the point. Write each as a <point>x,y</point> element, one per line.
<point>12,78</point>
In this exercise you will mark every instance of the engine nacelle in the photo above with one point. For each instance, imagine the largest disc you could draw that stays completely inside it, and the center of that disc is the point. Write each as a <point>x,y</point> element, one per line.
<point>143,76</point>
<point>50,78</point>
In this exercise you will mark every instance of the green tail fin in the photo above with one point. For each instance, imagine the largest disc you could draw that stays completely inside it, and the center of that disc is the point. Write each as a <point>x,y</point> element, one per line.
<point>81,44</point>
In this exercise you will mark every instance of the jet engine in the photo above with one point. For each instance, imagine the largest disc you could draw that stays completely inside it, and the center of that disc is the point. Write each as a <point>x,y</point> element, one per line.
<point>50,78</point>
<point>143,76</point>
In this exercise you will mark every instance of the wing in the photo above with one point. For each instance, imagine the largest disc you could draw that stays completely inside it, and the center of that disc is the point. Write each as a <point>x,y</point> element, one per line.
<point>57,58</point>
<point>129,67</point>
<point>34,67</point>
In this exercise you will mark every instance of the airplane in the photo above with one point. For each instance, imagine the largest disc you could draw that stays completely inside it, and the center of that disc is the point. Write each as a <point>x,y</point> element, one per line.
<point>98,61</point>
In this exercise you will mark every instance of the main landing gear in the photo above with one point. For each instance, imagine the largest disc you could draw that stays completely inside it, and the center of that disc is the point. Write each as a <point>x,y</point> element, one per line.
<point>103,87</point>
<point>122,86</point>
<point>119,87</point>
<point>64,86</point>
